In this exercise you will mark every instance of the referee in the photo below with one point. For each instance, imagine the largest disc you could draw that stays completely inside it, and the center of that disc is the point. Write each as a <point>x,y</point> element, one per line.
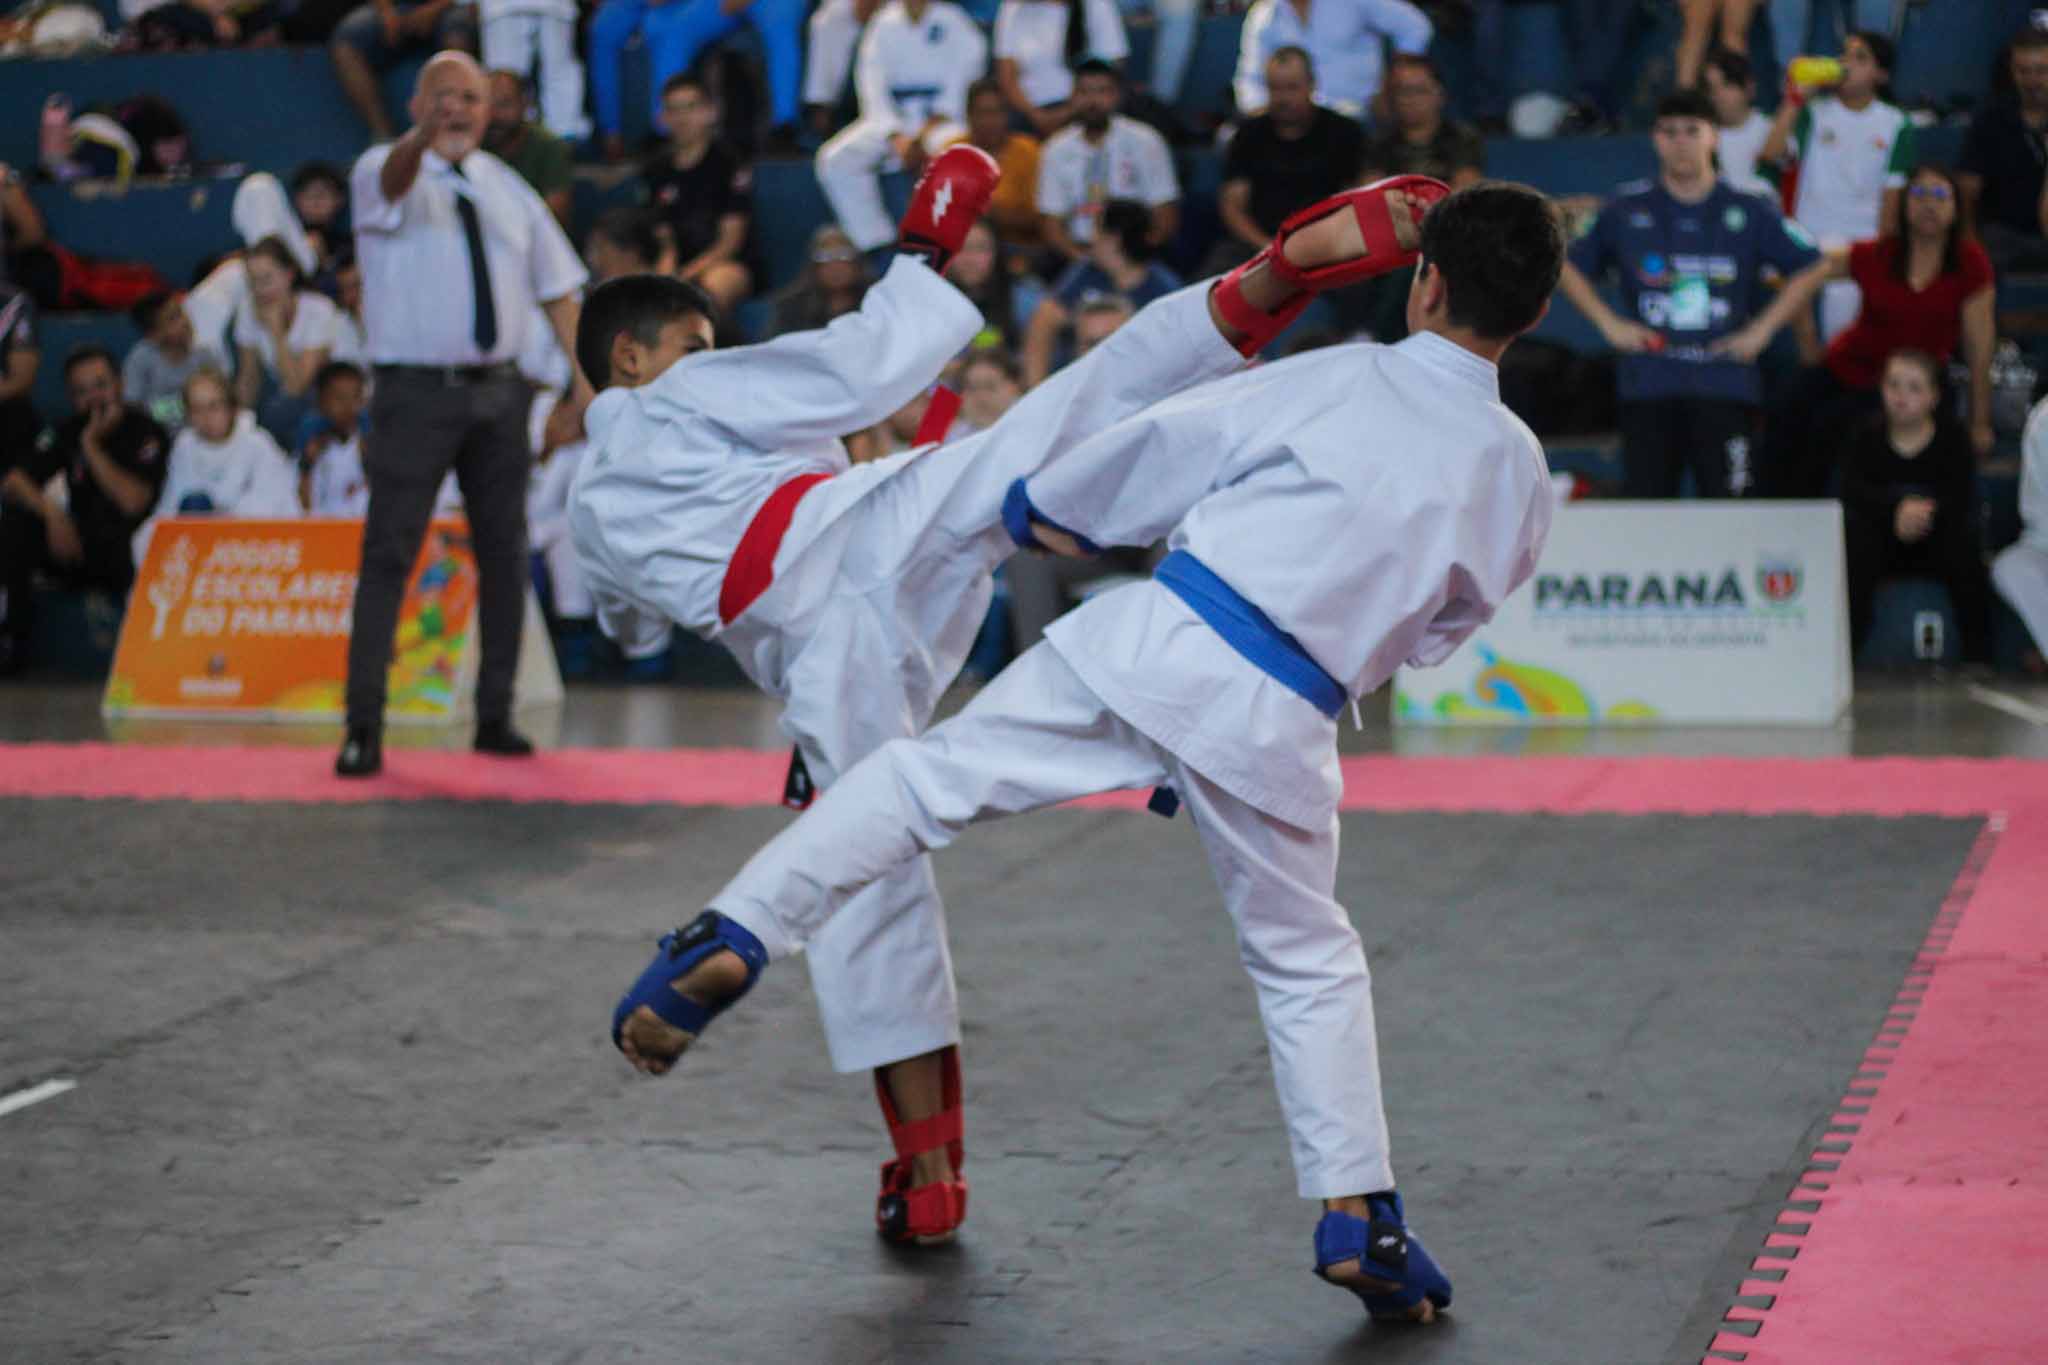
<point>456,252</point>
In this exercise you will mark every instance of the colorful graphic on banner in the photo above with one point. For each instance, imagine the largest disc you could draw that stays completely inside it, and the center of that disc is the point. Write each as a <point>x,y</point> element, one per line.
<point>1511,693</point>
<point>252,618</point>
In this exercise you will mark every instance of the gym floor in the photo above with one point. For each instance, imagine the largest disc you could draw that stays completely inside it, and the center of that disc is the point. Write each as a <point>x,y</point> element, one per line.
<point>343,1093</point>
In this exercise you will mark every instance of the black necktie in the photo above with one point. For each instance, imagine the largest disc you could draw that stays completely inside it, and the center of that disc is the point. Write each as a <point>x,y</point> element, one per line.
<point>485,329</point>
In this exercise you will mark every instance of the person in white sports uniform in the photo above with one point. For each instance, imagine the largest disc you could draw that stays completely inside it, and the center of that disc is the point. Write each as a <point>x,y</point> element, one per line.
<point>1331,517</point>
<point>517,35</point>
<point>1853,153</point>
<point>2021,570</point>
<point>916,61</point>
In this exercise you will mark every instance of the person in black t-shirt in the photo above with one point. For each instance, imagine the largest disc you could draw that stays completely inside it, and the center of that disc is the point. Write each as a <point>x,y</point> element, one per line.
<point>1908,499</point>
<point>112,456</point>
<point>705,193</point>
<point>20,358</point>
<point>2005,163</point>
<point>1295,154</point>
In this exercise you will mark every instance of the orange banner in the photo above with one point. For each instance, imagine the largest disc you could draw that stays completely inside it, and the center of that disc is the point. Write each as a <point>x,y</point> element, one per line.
<point>250,618</point>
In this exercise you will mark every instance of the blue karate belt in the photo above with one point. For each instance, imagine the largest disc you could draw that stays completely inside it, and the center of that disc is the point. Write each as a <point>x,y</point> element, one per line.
<point>1252,634</point>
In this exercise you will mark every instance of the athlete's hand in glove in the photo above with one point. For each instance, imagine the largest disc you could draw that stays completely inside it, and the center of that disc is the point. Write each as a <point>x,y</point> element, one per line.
<point>953,193</point>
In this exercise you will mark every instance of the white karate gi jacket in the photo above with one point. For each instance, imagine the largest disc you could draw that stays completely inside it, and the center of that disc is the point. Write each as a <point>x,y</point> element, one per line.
<point>1376,502</point>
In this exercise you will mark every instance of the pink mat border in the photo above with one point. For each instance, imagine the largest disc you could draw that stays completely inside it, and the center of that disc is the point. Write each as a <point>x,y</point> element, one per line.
<point>1828,1286</point>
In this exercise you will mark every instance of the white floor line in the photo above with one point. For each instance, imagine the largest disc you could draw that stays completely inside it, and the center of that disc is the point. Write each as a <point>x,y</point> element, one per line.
<point>2012,706</point>
<point>35,1094</point>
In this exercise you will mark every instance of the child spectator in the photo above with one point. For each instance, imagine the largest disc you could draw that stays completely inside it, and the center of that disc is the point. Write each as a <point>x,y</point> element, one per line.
<point>1852,150</point>
<point>1730,85</point>
<point>222,463</point>
<point>2021,569</point>
<point>1014,209</point>
<point>1930,291</point>
<point>331,479</point>
<point>1100,156</point>
<point>1120,265</point>
<point>282,332</point>
<point>704,191</point>
<point>916,61</point>
<point>626,239</point>
<point>320,202</point>
<point>1038,45</point>
<point>991,382</point>
<point>1908,501</point>
<point>2005,162</point>
<point>156,368</point>
<point>517,35</point>
<point>1343,38</point>
<point>351,339</point>
<point>835,278</point>
<point>981,271</point>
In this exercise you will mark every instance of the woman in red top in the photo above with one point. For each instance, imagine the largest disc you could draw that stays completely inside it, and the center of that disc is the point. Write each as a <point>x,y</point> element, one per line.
<point>1931,290</point>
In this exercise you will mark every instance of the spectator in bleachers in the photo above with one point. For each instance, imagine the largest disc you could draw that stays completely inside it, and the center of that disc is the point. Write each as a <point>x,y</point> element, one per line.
<point>1014,209</point>
<point>1342,37</point>
<point>704,191</point>
<point>676,32</point>
<point>351,338</point>
<point>1039,43</point>
<point>1909,502</point>
<point>542,159</point>
<point>991,382</point>
<point>1689,252</point>
<point>111,455</point>
<point>1295,154</point>
<point>21,222</point>
<point>1596,35</point>
<point>2005,163</point>
<point>1419,140</point>
<point>154,372</point>
<point>626,239</point>
<point>1850,151</point>
<point>1121,264</point>
<point>1730,84</point>
<point>522,35</point>
<point>1102,156</point>
<point>916,61</point>
<point>833,281</point>
<point>378,35</point>
<point>221,464</point>
<point>1709,24</point>
<point>1792,23</point>
<point>21,358</point>
<point>320,202</point>
<point>2020,572</point>
<point>834,30</point>
<point>980,269</point>
<point>282,332</point>
<point>178,25</point>
<point>1931,290</point>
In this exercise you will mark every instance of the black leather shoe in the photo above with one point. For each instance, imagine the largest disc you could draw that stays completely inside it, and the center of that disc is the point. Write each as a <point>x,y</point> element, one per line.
<point>498,737</point>
<point>362,753</point>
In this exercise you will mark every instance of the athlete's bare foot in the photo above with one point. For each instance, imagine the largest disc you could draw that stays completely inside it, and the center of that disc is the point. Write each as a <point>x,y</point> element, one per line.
<point>1349,1275</point>
<point>650,1042</point>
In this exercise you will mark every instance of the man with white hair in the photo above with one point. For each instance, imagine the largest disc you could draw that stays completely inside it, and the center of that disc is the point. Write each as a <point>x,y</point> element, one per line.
<point>448,306</point>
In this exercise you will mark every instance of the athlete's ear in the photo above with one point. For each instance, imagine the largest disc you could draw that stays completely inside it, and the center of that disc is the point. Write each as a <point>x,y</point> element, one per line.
<point>625,359</point>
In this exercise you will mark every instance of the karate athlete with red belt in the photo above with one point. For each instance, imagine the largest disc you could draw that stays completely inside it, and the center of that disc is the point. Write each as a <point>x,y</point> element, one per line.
<point>716,495</point>
<point>1330,517</point>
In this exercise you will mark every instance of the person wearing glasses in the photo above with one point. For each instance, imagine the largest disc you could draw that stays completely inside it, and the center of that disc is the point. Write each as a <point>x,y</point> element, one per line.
<point>1931,290</point>
<point>835,279</point>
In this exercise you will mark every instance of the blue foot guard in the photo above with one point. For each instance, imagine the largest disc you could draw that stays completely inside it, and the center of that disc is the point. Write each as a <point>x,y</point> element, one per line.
<point>679,951</point>
<point>1385,1250</point>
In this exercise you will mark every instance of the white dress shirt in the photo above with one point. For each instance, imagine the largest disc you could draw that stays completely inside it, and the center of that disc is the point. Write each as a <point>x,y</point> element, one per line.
<point>1077,177</point>
<point>1342,37</point>
<point>418,302</point>
<point>1033,34</point>
<point>1380,524</point>
<point>909,72</point>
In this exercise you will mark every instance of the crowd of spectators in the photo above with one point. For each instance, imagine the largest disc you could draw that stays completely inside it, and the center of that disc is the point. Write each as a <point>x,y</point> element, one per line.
<point>1787,198</point>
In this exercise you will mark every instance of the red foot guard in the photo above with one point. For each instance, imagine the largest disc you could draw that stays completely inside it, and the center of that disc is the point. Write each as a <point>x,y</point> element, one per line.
<point>930,1212</point>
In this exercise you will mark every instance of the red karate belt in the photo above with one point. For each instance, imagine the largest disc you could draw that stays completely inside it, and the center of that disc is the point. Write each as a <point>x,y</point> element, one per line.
<point>752,570</point>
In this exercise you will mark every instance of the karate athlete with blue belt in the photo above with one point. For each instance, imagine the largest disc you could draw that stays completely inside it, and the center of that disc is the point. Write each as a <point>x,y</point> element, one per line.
<point>1331,516</point>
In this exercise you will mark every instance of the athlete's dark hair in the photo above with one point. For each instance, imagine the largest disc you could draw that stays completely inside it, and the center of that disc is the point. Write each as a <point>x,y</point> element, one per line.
<point>1500,249</point>
<point>640,306</point>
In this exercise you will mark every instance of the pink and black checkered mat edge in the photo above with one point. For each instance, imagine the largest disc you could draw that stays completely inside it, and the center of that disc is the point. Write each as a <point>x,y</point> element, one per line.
<point>1918,1231</point>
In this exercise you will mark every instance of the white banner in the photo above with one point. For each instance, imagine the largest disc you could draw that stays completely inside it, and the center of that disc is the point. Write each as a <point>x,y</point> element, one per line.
<point>1649,612</point>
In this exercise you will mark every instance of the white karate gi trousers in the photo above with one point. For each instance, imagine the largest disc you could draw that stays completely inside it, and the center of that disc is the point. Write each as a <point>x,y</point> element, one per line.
<point>880,607</point>
<point>850,170</point>
<point>1037,736</point>
<point>510,43</point>
<point>835,34</point>
<point>2020,573</point>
